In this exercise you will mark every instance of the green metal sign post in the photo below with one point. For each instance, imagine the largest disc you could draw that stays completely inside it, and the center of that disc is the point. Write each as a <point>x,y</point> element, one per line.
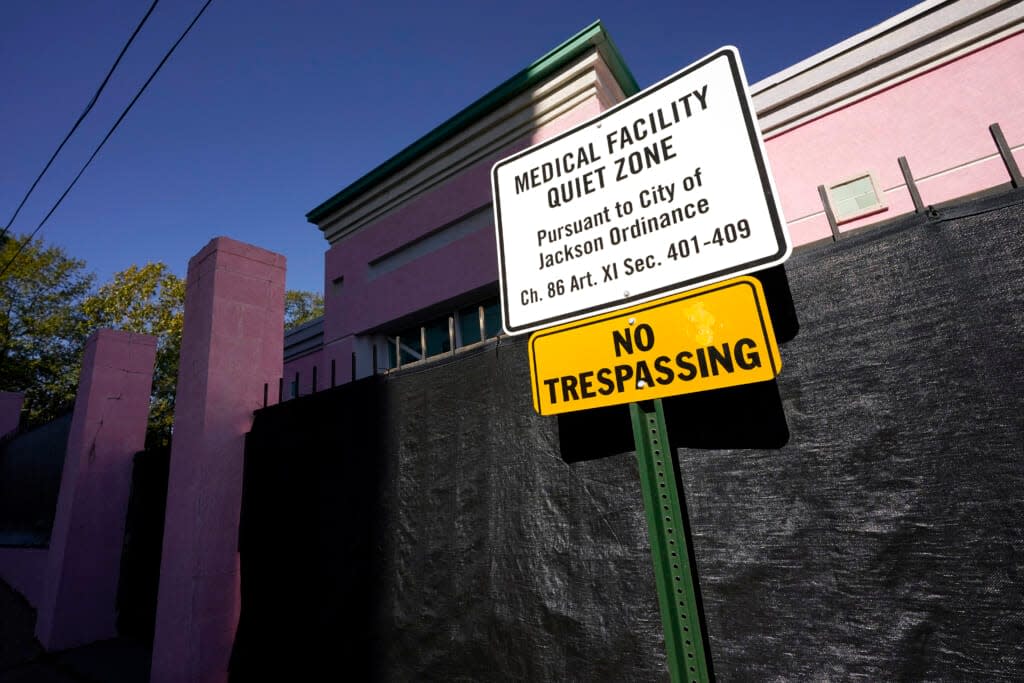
<point>688,660</point>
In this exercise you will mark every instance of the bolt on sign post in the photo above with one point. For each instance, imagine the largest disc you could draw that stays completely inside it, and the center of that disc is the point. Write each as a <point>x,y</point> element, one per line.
<point>621,246</point>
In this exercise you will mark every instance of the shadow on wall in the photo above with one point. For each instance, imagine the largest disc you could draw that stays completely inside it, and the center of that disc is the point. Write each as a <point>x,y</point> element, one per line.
<point>309,536</point>
<point>30,471</point>
<point>707,419</point>
<point>143,542</point>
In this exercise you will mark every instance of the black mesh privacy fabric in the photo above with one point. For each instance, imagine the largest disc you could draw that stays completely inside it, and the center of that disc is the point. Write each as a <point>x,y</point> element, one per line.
<point>884,541</point>
<point>862,518</point>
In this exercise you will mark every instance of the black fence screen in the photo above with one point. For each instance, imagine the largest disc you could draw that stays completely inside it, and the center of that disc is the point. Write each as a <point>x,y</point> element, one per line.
<point>883,542</point>
<point>860,518</point>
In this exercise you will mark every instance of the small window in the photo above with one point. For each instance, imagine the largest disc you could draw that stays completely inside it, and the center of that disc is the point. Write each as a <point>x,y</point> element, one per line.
<point>436,337</point>
<point>409,343</point>
<point>855,198</point>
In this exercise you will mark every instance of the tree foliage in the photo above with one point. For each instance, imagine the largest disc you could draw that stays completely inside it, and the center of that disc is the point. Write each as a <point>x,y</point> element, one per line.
<point>301,307</point>
<point>147,300</point>
<point>49,306</point>
<point>42,325</point>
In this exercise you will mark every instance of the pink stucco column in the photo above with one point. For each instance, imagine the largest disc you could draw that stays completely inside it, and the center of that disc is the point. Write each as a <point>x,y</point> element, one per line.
<point>233,343</point>
<point>108,427</point>
<point>10,411</point>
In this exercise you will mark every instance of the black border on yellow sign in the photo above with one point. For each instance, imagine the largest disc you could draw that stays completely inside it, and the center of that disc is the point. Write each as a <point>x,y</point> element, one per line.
<point>761,305</point>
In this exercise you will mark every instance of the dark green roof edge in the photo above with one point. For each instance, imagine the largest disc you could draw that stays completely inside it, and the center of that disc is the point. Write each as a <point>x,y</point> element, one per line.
<point>591,36</point>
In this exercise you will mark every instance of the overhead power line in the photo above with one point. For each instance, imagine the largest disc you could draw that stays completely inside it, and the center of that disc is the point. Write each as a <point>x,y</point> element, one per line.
<point>107,136</point>
<point>81,118</point>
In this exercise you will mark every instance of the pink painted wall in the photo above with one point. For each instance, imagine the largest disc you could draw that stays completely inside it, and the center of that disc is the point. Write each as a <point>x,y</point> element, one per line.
<point>462,266</point>
<point>233,342</point>
<point>938,120</point>
<point>10,411</point>
<point>108,427</point>
<point>24,569</point>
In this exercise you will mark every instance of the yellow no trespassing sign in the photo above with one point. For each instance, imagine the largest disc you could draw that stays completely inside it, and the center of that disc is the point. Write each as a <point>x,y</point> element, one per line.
<point>709,338</point>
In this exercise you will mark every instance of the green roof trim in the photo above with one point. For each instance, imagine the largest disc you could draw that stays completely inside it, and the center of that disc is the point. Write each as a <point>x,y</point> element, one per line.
<point>593,36</point>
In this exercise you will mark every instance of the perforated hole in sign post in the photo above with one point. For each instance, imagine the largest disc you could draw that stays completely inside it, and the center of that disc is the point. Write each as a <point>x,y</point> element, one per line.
<point>682,614</point>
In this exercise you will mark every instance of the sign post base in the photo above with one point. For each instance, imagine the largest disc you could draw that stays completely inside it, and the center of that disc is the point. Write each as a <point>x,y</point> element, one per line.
<point>688,659</point>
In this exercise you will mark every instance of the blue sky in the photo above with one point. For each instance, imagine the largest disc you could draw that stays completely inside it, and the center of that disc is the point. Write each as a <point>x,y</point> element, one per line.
<point>269,108</point>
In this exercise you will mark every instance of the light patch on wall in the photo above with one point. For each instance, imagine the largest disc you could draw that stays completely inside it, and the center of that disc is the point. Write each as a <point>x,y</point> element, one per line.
<point>474,222</point>
<point>855,198</point>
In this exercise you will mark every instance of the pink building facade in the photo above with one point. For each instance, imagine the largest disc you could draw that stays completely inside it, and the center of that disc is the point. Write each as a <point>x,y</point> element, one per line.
<point>411,271</point>
<point>924,85</point>
<point>411,275</point>
<point>412,253</point>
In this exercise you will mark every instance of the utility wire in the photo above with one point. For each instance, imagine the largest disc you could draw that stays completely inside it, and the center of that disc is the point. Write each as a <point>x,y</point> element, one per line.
<point>81,118</point>
<point>107,137</point>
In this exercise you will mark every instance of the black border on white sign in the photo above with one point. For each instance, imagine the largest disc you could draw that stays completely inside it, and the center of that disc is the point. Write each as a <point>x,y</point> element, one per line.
<point>732,55</point>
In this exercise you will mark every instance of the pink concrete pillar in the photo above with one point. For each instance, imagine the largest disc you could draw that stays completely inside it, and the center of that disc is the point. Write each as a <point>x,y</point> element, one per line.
<point>233,342</point>
<point>10,411</point>
<point>108,427</point>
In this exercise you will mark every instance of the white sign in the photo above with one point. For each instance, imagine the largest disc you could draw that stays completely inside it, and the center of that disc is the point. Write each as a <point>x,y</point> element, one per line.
<point>665,192</point>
